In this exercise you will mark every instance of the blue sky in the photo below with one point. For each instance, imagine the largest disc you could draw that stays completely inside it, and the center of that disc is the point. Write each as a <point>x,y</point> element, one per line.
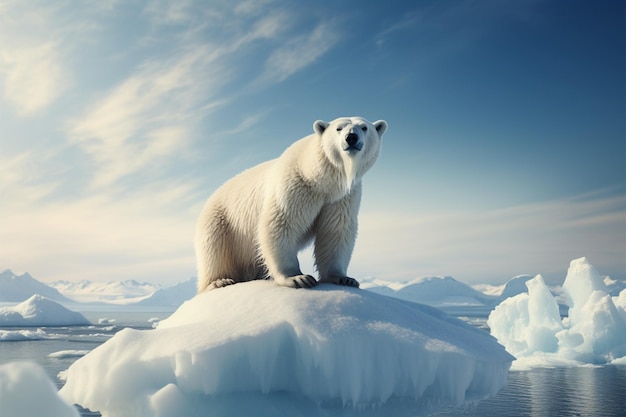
<point>505,154</point>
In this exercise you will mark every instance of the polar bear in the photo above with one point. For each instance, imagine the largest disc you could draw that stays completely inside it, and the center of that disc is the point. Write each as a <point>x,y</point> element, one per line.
<point>255,224</point>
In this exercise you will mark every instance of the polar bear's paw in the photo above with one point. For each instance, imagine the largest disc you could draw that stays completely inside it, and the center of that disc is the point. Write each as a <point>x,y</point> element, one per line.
<point>347,281</point>
<point>219,283</point>
<point>298,281</point>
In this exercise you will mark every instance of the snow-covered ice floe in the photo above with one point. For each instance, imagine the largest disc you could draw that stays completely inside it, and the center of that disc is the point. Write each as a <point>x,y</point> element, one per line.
<point>64,354</point>
<point>530,327</point>
<point>26,390</point>
<point>40,311</point>
<point>21,335</point>
<point>259,349</point>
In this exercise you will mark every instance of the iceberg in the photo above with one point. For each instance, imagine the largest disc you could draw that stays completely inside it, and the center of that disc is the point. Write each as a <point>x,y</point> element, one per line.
<point>530,327</point>
<point>40,311</point>
<point>26,390</point>
<point>259,349</point>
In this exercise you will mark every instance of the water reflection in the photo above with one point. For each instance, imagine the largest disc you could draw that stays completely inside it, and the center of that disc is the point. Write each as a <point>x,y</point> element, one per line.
<point>558,392</point>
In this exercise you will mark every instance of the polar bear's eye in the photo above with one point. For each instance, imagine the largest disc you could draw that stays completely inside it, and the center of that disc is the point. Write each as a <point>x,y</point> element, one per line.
<point>339,128</point>
<point>364,128</point>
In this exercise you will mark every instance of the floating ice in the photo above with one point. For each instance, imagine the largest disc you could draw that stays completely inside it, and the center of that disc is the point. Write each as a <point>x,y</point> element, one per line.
<point>21,335</point>
<point>26,391</point>
<point>259,349</point>
<point>64,354</point>
<point>530,327</point>
<point>40,311</point>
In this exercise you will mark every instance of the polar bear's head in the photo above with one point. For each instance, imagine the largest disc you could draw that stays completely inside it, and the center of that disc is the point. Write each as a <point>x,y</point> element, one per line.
<point>352,144</point>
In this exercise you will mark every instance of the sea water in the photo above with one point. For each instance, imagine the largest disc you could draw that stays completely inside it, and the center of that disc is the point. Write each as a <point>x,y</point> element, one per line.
<point>559,392</point>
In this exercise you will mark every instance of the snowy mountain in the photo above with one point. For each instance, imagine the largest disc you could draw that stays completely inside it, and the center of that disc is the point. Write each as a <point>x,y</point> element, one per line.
<point>434,291</point>
<point>40,311</point>
<point>172,296</point>
<point>113,292</point>
<point>17,288</point>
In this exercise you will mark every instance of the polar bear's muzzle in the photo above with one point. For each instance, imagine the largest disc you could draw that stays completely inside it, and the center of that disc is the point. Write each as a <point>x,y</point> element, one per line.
<point>353,143</point>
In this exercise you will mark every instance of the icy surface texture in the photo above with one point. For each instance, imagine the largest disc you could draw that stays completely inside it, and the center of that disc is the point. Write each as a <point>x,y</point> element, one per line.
<point>40,311</point>
<point>260,349</point>
<point>530,327</point>
<point>26,391</point>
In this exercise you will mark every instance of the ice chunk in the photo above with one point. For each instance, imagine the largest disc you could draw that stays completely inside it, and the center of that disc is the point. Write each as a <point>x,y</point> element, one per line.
<point>64,354</point>
<point>261,349</point>
<point>26,390</point>
<point>529,326</point>
<point>40,311</point>
<point>20,335</point>
<point>582,279</point>
<point>544,317</point>
<point>527,322</point>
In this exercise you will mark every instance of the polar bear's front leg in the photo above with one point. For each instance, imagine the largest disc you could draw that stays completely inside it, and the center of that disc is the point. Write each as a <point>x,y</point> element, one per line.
<point>281,235</point>
<point>335,234</point>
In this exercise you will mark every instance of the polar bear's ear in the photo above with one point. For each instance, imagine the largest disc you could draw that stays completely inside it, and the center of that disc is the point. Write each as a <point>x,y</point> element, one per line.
<point>320,126</point>
<point>381,127</point>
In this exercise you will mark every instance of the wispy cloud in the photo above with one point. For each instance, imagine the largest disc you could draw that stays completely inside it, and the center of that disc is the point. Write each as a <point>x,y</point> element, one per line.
<point>23,182</point>
<point>146,119</point>
<point>34,76</point>
<point>151,115</point>
<point>300,52</point>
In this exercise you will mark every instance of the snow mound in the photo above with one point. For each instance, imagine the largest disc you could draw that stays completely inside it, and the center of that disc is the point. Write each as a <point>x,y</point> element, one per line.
<point>260,349</point>
<point>26,391</point>
<point>40,311</point>
<point>530,327</point>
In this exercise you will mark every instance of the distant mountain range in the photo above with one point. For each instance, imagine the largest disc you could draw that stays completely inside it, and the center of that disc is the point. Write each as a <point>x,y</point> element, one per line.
<point>434,291</point>
<point>18,288</point>
<point>114,292</point>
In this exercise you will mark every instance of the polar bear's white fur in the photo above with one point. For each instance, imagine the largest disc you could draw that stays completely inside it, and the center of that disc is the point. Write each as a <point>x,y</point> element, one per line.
<point>255,224</point>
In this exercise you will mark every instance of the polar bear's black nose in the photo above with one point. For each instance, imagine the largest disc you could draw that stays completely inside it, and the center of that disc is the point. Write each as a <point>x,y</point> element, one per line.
<point>352,139</point>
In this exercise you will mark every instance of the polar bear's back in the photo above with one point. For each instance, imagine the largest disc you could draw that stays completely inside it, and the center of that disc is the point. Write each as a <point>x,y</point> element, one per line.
<point>243,192</point>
